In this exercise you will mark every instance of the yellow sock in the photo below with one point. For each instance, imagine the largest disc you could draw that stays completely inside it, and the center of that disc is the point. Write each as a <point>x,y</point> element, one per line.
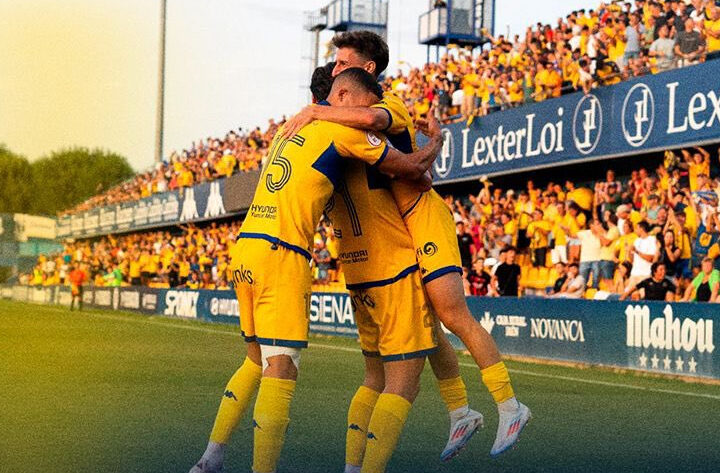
<point>235,400</point>
<point>453,392</point>
<point>386,424</point>
<point>497,380</point>
<point>271,419</point>
<point>359,413</point>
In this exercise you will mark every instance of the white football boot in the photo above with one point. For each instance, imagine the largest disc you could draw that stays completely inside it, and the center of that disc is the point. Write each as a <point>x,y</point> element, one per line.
<point>212,460</point>
<point>461,431</point>
<point>513,416</point>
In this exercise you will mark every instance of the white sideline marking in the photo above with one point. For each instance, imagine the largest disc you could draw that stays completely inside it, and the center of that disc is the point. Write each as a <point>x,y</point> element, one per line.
<point>355,350</point>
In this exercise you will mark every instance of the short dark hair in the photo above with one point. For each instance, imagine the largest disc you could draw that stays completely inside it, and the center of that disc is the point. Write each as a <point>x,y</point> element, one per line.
<point>322,81</point>
<point>361,78</point>
<point>654,267</point>
<point>367,44</point>
<point>644,225</point>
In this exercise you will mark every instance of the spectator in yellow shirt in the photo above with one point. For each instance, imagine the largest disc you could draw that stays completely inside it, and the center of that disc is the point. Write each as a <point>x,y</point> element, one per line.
<point>538,232</point>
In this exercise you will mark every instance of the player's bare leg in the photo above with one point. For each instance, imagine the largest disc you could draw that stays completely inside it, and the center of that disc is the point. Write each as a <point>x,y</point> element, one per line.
<point>240,389</point>
<point>360,412</point>
<point>402,384</point>
<point>448,300</point>
<point>464,422</point>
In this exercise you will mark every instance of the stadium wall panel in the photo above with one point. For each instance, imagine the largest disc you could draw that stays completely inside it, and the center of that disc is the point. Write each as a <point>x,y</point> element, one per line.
<point>647,114</point>
<point>240,190</point>
<point>201,202</point>
<point>677,338</point>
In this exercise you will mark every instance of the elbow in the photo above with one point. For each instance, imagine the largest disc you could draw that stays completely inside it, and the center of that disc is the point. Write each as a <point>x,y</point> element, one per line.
<point>377,121</point>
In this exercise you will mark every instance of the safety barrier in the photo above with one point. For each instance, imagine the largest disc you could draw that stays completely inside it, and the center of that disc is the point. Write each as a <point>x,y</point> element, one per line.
<point>675,338</point>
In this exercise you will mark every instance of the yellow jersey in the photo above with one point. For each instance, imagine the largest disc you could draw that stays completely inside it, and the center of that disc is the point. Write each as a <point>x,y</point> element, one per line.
<point>299,178</point>
<point>375,246</point>
<point>401,134</point>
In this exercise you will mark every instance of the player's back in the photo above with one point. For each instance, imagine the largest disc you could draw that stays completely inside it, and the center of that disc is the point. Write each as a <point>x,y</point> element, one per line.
<point>294,186</point>
<point>374,243</point>
<point>299,178</point>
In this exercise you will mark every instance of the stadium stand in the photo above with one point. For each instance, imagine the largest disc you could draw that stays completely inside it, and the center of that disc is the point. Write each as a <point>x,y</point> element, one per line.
<point>584,50</point>
<point>597,225</point>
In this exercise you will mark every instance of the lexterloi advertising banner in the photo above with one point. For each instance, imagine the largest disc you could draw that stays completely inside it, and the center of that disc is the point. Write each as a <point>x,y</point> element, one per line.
<point>651,113</point>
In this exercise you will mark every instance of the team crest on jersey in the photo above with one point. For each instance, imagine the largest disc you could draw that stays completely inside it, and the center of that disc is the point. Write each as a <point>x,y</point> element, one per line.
<point>373,139</point>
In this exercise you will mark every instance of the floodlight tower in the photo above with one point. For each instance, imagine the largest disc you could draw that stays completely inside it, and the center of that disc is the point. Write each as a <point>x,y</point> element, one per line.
<point>315,23</point>
<point>351,15</point>
<point>160,117</point>
<point>461,22</point>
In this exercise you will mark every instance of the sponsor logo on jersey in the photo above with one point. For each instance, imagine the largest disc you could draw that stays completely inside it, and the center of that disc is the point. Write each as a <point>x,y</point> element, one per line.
<point>359,256</point>
<point>243,275</point>
<point>263,211</point>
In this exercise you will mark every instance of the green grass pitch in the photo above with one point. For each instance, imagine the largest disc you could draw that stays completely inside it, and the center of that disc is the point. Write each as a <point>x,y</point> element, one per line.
<point>113,392</point>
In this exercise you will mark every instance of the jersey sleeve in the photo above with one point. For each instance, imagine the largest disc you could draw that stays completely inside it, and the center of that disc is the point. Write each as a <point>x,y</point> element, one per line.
<point>364,145</point>
<point>397,115</point>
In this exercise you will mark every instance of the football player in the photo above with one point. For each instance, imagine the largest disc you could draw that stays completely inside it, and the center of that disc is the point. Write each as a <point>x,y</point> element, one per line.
<point>270,267</point>
<point>432,228</point>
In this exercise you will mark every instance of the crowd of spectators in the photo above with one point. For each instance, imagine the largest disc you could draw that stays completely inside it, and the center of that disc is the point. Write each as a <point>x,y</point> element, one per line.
<point>653,235</point>
<point>586,49</point>
<point>193,258</point>
<point>204,161</point>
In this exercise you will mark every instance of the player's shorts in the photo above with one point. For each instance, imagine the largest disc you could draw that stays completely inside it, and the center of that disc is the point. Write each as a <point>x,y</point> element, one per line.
<point>272,284</point>
<point>76,290</point>
<point>395,320</point>
<point>432,227</point>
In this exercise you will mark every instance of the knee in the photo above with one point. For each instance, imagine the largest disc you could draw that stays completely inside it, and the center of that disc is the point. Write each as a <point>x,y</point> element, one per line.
<point>374,381</point>
<point>408,390</point>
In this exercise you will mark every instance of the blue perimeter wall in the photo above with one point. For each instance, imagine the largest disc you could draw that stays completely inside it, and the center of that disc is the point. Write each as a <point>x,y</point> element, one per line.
<point>676,338</point>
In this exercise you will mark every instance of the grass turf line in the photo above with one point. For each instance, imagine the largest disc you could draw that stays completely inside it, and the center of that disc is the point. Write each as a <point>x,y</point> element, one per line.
<point>106,391</point>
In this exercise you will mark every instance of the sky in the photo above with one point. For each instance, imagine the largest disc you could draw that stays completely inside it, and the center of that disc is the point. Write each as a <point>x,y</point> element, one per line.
<point>84,72</point>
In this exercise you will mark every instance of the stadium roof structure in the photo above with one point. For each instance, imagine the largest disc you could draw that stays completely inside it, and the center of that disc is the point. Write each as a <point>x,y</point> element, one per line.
<point>460,22</point>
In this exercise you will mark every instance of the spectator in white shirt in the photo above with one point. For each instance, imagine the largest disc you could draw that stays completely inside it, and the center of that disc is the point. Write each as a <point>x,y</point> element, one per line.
<point>574,286</point>
<point>645,252</point>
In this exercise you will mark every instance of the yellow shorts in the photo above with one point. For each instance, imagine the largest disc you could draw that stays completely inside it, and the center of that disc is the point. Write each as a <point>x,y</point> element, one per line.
<point>395,321</point>
<point>272,284</point>
<point>432,228</point>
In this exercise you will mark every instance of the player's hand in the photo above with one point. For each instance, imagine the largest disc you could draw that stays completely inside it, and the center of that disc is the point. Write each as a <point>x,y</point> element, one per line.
<point>433,127</point>
<point>296,123</point>
<point>421,125</point>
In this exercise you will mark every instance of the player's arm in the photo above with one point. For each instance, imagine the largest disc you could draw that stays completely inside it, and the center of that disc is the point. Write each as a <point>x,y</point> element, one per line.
<point>364,118</point>
<point>353,143</point>
<point>413,166</point>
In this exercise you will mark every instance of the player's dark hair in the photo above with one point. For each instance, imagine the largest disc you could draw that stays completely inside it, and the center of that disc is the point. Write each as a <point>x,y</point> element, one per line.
<point>361,78</point>
<point>367,44</point>
<point>654,267</point>
<point>322,81</point>
<point>644,225</point>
